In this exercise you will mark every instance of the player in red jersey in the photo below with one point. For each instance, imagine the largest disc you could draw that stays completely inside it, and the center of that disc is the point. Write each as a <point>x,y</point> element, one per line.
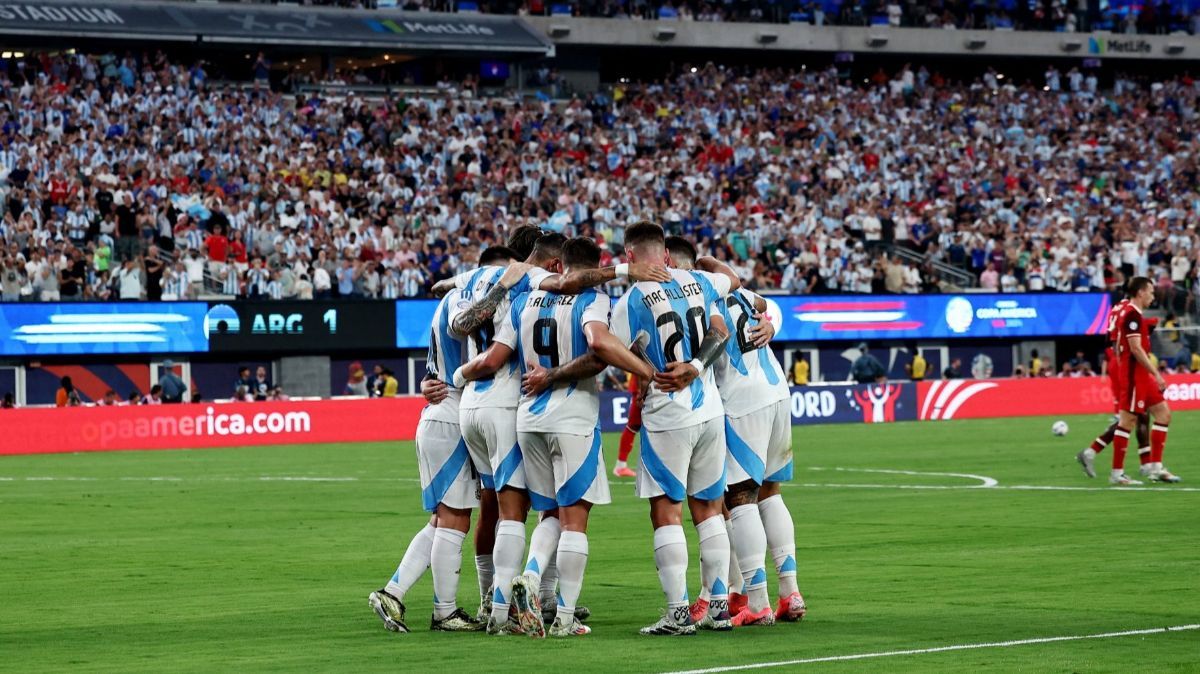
<point>632,427</point>
<point>1140,384</point>
<point>1087,457</point>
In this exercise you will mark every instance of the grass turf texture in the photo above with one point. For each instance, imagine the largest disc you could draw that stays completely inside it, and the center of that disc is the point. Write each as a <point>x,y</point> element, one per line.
<point>224,571</point>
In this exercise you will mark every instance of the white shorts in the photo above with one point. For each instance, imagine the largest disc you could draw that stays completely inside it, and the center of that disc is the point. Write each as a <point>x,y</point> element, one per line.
<point>683,462</point>
<point>447,473</point>
<point>563,469</point>
<point>760,445</point>
<point>491,435</point>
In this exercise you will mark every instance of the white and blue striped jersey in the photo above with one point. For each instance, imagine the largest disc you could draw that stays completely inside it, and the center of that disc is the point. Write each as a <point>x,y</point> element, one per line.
<point>548,328</point>
<point>748,377</point>
<point>668,320</point>
<point>502,389</point>
<point>446,354</point>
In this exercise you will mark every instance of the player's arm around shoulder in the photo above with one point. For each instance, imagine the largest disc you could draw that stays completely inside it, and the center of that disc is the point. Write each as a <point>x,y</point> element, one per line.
<point>578,280</point>
<point>722,277</point>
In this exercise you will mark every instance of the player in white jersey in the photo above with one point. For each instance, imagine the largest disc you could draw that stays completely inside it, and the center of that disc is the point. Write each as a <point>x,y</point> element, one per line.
<point>683,430</point>
<point>758,432</point>
<point>449,489</point>
<point>558,427</point>
<point>487,410</point>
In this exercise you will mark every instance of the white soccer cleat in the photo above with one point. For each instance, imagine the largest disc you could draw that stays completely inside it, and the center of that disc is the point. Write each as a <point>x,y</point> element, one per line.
<point>1087,459</point>
<point>574,629</point>
<point>389,609</point>
<point>669,627</point>
<point>1164,475</point>
<point>1122,480</point>
<point>528,608</point>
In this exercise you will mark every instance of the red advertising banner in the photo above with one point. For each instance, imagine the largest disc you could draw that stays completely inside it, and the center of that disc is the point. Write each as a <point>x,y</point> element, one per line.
<point>85,429</point>
<point>977,399</point>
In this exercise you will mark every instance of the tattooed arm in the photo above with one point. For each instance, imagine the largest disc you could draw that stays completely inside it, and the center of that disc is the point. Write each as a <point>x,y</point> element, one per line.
<point>482,311</point>
<point>579,279</point>
<point>679,374</point>
<point>606,350</point>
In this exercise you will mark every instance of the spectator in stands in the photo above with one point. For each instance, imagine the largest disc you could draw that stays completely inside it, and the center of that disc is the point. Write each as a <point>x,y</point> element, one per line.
<point>129,280</point>
<point>243,380</point>
<point>917,367</point>
<point>390,385</point>
<point>155,397</point>
<point>954,370</point>
<point>109,399</point>
<point>799,369</point>
<point>356,385</point>
<point>866,369</point>
<point>134,398</point>
<point>171,384</point>
<point>375,381</point>
<point>8,403</point>
<point>1035,364</point>
<point>67,396</point>
<point>261,385</point>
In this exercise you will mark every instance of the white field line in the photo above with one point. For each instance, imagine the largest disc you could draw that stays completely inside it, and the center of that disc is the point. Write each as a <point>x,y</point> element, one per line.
<point>941,649</point>
<point>985,482</point>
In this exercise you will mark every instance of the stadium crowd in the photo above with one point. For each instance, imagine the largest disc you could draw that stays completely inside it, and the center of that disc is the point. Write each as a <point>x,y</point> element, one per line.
<point>1045,15</point>
<point>127,177</point>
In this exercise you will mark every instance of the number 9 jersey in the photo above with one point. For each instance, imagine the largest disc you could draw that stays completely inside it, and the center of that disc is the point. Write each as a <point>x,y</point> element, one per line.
<point>547,328</point>
<point>668,321</point>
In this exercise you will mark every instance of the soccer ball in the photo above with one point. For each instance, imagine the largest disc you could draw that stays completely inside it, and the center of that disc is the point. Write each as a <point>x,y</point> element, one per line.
<point>1059,428</point>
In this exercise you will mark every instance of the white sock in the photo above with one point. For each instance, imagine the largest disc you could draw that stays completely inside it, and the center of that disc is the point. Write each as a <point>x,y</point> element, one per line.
<point>1089,452</point>
<point>483,571</point>
<point>781,541</point>
<point>622,464</point>
<point>750,543</point>
<point>671,558</point>
<point>413,564</point>
<point>548,591</point>
<point>572,560</point>
<point>542,545</point>
<point>446,560</point>
<point>1118,472</point>
<point>510,547</point>
<point>714,562</point>
<point>735,569</point>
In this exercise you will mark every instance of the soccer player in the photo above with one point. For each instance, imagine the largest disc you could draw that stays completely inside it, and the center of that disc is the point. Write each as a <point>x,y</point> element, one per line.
<point>632,427</point>
<point>1141,384</point>
<point>758,435</point>
<point>1087,456</point>
<point>557,427</point>
<point>683,435</point>
<point>450,486</point>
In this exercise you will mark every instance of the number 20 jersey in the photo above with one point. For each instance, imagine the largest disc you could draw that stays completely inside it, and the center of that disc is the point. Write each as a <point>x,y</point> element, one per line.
<point>668,320</point>
<point>547,328</point>
<point>750,378</point>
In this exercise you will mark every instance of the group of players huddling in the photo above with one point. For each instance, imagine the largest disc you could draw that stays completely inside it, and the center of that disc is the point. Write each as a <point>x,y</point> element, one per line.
<point>1137,388</point>
<point>513,424</point>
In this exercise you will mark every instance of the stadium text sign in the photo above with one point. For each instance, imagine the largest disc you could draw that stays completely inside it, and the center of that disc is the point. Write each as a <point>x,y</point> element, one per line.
<point>83,429</point>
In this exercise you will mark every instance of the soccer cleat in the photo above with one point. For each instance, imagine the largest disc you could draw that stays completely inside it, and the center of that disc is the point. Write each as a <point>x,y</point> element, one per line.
<point>791,608</point>
<point>669,627</point>
<point>528,609</point>
<point>624,472</point>
<point>748,618</point>
<point>458,621</point>
<point>550,612</point>
<point>574,629</point>
<point>485,608</point>
<point>1122,480</point>
<point>499,628</point>
<point>718,623</point>
<point>698,610</point>
<point>1087,459</point>
<point>389,609</point>
<point>1164,475</point>
<point>737,603</point>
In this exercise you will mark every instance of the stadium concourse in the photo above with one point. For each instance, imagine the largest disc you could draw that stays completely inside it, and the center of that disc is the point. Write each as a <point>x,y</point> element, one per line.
<point>131,176</point>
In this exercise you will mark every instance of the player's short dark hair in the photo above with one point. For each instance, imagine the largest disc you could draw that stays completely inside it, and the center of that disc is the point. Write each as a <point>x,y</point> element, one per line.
<point>644,232</point>
<point>677,245</point>
<point>581,251</point>
<point>549,246</point>
<point>522,239</point>
<point>493,254</point>
<point>1137,284</point>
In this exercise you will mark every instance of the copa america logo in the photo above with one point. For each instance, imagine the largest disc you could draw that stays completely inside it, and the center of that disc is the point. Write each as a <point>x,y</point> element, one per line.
<point>959,314</point>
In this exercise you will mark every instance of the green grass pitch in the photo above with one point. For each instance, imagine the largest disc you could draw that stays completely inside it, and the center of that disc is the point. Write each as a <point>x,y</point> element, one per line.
<point>213,568</point>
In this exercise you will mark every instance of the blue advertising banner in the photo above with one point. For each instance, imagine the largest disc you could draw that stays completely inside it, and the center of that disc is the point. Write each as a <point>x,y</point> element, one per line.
<point>414,319</point>
<point>28,329</point>
<point>809,318</point>
<point>833,404</point>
